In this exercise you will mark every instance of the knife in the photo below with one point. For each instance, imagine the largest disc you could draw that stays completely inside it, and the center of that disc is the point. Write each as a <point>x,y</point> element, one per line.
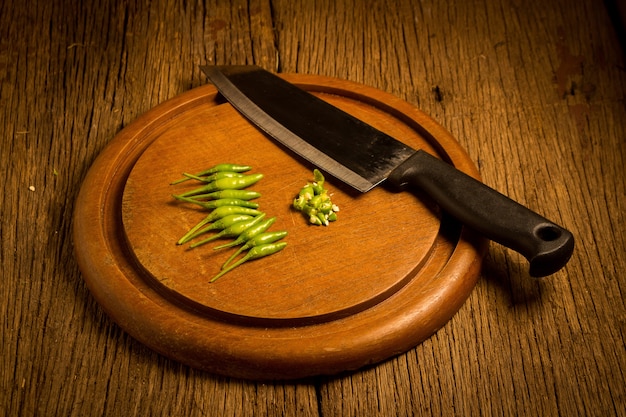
<point>363,157</point>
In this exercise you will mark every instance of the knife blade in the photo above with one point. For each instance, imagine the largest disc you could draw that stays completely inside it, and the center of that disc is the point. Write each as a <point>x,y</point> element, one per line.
<point>363,157</point>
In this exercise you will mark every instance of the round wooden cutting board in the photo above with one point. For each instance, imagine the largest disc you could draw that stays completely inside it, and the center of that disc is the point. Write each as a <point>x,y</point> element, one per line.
<point>384,277</point>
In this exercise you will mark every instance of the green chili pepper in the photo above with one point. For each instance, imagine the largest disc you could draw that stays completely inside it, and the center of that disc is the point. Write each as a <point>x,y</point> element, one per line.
<point>318,177</point>
<point>232,231</point>
<point>316,201</point>
<point>309,210</point>
<point>318,188</point>
<point>222,212</point>
<point>322,218</point>
<point>213,177</point>
<point>234,215</point>
<point>258,240</point>
<point>313,200</point>
<point>238,194</point>
<point>314,219</point>
<point>236,183</point>
<point>299,203</point>
<point>318,184</point>
<point>219,224</point>
<point>227,167</point>
<point>218,203</point>
<point>254,253</point>
<point>326,206</point>
<point>249,233</point>
<point>218,168</point>
<point>307,192</point>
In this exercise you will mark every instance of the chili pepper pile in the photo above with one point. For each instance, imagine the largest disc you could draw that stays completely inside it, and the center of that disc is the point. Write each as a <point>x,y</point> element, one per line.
<point>313,200</point>
<point>231,213</point>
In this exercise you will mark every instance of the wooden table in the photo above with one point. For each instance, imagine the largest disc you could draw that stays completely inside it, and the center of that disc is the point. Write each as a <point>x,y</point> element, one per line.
<point>533,90</point>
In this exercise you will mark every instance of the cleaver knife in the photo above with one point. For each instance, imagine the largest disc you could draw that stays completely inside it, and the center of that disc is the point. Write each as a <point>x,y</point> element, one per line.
<point>363,157</point>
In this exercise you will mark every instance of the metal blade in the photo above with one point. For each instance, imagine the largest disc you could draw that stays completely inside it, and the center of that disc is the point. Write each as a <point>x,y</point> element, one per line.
<point>333,140</point>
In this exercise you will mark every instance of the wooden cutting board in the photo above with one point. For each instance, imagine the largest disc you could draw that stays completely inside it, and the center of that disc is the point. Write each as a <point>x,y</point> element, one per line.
<point>384,277</point>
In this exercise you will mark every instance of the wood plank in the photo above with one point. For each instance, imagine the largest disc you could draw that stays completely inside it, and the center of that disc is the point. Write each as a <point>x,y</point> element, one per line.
<point>67,88</point>
<point>530,97</point>
<point>534,91</point>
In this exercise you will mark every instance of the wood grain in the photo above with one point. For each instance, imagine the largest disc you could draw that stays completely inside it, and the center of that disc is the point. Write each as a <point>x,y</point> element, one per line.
<point>534,91</point>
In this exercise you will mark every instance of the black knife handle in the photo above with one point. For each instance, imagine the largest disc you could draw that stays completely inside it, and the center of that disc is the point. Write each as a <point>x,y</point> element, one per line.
<point>546,245</point>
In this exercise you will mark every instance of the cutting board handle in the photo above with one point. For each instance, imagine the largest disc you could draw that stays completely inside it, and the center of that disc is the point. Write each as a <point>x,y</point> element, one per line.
<point>546,245</point>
